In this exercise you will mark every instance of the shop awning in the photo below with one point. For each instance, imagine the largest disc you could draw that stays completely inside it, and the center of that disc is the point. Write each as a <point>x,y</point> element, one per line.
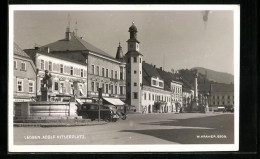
<point>114,101</point>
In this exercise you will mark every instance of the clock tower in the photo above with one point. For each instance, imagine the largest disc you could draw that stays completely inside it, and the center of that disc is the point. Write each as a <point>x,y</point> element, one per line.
<point>133,70</point>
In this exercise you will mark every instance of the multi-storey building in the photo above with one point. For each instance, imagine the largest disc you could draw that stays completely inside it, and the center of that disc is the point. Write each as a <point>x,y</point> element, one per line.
<point>175,86</point>
<point>221,94</point>
<point>145,86</point>
<point>103,71</point>
<point>69,77</point>
<point>24,78</point>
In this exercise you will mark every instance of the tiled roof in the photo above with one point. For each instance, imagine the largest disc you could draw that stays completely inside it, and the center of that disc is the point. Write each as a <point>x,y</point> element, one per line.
<point>19,51</point>
<point>150,71</point>
<point>75,44</point>
<point>204,87</point>
<point>220,87</point>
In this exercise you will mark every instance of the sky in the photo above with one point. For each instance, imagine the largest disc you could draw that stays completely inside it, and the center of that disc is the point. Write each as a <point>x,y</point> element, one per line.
<point>169,39</point>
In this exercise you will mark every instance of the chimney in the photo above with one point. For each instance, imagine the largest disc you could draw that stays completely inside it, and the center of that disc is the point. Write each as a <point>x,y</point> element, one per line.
<point>67,34</point>
<point>160,68</point>
<point>36,48</point>
<point>154,66</point>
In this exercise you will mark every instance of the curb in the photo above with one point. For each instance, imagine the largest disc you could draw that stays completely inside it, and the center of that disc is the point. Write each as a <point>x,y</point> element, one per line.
<point>57,124</point>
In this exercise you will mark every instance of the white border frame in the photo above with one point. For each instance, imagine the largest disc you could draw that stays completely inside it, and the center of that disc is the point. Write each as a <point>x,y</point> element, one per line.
<point>126,148</point>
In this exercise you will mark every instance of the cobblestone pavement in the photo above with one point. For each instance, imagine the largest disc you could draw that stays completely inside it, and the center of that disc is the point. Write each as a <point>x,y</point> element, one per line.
<point>184,128</point>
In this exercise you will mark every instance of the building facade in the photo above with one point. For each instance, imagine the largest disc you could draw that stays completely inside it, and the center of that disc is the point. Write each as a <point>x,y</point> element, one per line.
<point>101,71</point>
<point>221,95</point>
<point>146,89</point>
<point>69,77</point>
<point>24,77</point>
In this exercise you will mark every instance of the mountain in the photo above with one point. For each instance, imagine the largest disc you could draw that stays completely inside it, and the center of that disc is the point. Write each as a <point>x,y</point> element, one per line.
<point>220,77</point>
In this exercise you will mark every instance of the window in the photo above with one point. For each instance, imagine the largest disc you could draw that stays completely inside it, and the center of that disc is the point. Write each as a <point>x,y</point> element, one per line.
<point>106,72</point>
<point>140,60</point>
<point>222,103</point>
<point>112,74</point>
<point>112,89</point>
<point>50,66</point>
<point>160,84</point>
<point>149,96</point>
<point>135,95</point>
<point>92,86</point>
<point>135,59</point>
<point>121,90</point>
<point>103,72</point>
<point>81,72</point>
<point>19,85</point>
<point>135,84</point>
<point>31,86</point>
<point>15,64</point>
<point>115,74</point>
<point>154,82</point>
<point>61,68</point>
<point>121,73</point>
<point>223,97</point>
<point>92,69</point>
<point>23,66</point>
<point>134,71</point>
<point>62,88</point>
<point>218,97</point>
<point>97,70</point>
<point>228,97</point>
<point>153,97</point>
<point>71,88</point>
<point>97,85</point>
<point>103,87</point>
<point>56,86</point>
<point>42,64</point>
<point>140,72</point>
<point>71,71</point>
<point>106,88</point>
<point>144,96</point>
<point>115,89</point>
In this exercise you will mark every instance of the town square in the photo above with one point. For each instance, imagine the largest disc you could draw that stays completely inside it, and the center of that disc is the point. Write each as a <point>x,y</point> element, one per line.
<point>133,77</point>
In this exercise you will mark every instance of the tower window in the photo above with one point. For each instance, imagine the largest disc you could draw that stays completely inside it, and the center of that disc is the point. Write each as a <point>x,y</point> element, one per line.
<point>134,71</point>
<point>135,59</point>
<point>135,84</point>
<point>135,95</point>
<point>71,70</point>
<point>61,68</point>
<point>140,60</point>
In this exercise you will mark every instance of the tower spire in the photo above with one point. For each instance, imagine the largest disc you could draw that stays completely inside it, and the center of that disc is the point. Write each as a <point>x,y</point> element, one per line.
<point>68,18</point>
<point>76,28</point>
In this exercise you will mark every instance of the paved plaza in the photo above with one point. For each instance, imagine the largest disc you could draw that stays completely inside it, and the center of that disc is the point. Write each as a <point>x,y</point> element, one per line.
<point>184,128</point>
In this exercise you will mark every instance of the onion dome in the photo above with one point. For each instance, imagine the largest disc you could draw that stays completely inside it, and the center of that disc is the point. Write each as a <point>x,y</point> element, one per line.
<point>133,28</point>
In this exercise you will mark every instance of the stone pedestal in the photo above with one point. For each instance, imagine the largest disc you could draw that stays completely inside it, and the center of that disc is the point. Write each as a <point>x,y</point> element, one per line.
<point>45,94</point>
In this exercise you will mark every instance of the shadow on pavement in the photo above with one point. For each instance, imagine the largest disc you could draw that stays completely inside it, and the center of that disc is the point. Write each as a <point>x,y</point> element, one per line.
<point>221,130</point>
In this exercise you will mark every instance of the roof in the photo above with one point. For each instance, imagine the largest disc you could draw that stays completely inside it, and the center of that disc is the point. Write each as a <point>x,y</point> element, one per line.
<point>119,53</point>
<point>75,44</point>
<point>168,77</point>
<point>18,51</point>
<point>204,87</point>
<point>221,87</point>
<point>132,28</point>
<point>150,71</point>
<point>134,53</point>
<point>76,58</point>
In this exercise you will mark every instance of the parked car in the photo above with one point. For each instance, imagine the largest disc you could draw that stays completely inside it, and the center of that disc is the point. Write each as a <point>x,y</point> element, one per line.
<point>118,110</point>
<point>90,111</point>
<point>229,108</point>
